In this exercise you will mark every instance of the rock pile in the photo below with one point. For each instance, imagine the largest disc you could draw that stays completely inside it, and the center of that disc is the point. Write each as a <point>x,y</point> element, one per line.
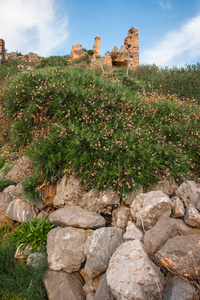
<point>106,248</point>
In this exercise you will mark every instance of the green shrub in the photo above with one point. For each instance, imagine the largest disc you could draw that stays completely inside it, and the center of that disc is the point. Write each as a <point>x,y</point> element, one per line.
<point>100,129</point>
<point>53,61</point>
<point>20,282</point>
<point>4,183</point>
<point>32,233</point>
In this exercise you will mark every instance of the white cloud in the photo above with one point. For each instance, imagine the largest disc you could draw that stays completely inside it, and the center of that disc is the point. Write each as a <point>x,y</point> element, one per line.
<point>176,46</point>
<point>164,5</point>
<point>31,26</point>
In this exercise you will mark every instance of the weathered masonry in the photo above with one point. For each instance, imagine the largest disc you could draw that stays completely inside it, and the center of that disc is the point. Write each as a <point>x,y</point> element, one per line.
<point>2,51</point>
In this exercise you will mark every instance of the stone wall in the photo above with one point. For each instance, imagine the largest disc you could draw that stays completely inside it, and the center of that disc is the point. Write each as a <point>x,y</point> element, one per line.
<point>2,51</point>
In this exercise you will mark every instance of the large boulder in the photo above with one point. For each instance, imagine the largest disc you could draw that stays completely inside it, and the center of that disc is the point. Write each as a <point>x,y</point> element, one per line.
<point>99,247</point>
<point>189,192</point>
<point>63,286</point>
<point>179,289</point>
<point>76,216</point>
<point>131,275</point>
<point>65,249</point>
<point>165,229</point>
<point>22,169</point>
<point>148,208</point>
<point>68,191</point>
<point>181,254</point>
<point>20,211</point>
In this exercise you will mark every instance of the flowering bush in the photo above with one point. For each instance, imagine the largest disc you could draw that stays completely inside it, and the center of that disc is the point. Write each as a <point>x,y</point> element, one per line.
<point>101,129</point>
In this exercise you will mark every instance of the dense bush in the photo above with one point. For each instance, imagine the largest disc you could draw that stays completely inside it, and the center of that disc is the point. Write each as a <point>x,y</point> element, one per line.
<point>71,121</point>
<point>184,82</point>
<point>53,61</point>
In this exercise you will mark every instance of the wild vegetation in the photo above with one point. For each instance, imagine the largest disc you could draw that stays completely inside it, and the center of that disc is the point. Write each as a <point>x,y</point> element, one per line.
<point>107,128</point>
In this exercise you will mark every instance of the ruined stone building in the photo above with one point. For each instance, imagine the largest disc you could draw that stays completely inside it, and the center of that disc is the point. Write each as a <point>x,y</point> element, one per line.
<point>2,51</point>
<point>127,56</point>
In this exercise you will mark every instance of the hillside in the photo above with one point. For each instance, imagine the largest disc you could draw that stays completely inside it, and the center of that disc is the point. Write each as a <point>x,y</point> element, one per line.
<point>112,131</point>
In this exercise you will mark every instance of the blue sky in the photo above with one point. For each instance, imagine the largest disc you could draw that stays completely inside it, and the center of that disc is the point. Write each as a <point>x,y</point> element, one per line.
<point>169,30</point>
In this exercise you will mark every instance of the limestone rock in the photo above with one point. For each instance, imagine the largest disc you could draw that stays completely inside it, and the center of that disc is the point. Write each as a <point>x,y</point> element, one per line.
<point>181,254</point>
<point>178,209</point>
<point>65,249</point>
<point>120,217</point>
<point>21,170</point>
<point>148,208</point>
<point>63,286</point>
<point>8,195</point>
<point>97,46</point>
<point>128,199</point>
<point>68,191</point>
<point>132,232</point>
<point>99,247</point>
<point>76,216</point>
<point>108,200</point>
<point>36,259</point>
<point>103,291</point>
<point>131,275</point>
<point>90,201</point>
<point>189,192</point>
<point>192,216</point>
<point>165,229</point>
<point>19,210</point>
<point>179,289</point>
<point>43,214</point>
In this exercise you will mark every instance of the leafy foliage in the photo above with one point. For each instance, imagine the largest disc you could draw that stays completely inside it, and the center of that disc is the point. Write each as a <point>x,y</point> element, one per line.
<point>53,61</point>
<point>32,233</point>
<point>20,282</point>
<point>101,129</point>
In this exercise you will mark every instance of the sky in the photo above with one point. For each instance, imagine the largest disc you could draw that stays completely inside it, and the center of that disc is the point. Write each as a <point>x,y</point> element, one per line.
<point>169,30</point>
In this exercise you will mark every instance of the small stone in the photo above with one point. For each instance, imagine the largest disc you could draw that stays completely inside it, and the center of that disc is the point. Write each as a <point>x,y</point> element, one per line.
<point>120,217</point>
<point>178,209</point>
<point>133,232</point>
<point>192,216</point>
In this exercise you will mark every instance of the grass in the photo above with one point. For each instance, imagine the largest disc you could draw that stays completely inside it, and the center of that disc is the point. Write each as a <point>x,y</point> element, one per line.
<point>108,131</point>
<point>18,282</point>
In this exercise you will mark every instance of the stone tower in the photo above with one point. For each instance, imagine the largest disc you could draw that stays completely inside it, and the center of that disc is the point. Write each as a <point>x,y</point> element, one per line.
<point>97,46</point>
<point>2,51</point>
<point>131,42</point>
